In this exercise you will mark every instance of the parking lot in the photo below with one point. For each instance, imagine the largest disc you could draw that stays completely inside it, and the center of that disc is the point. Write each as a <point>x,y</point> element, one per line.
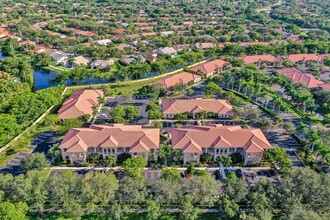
<point>139,102</point>
<point>40,144</point>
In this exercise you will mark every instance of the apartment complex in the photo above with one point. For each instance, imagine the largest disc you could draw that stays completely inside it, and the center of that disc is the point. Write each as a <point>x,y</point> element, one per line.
<point>214,107</point>
<point>219,140</point>
<point>80,103</point>
<point>115,139</point>
<point>110,140</point>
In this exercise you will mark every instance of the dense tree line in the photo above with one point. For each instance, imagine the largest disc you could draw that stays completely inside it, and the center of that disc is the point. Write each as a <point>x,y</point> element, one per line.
<point>300,192</point>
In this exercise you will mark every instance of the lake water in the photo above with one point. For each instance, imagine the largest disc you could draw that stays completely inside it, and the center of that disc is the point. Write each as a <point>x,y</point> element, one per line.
<point>43,79</point>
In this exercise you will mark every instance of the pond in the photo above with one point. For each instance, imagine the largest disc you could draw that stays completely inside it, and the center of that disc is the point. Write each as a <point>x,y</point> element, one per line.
<point>43,79</point>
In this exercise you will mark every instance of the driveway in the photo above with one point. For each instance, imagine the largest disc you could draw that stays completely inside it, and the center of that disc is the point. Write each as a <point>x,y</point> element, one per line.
<point>39,145</point>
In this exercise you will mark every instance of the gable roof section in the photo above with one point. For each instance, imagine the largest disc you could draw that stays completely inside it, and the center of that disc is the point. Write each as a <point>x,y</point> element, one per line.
<point>301,57</point>
<point>193,139</point>
<point>137,138</point>
<point>79,103</point>
<point>259,58</point>
<point>177,79</point>
<point>210,66</point>
<point>299,77</point>
<point>175,106</point>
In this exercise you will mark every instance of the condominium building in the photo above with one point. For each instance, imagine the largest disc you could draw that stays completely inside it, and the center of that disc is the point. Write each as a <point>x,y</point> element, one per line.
<point>111,140</point>
<point>219,140</point>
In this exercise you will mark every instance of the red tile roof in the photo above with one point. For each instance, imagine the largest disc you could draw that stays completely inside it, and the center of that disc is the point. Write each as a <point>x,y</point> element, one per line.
<point>175,106</point>
<point>258,58</point>
<point>324,86</point>
<point>299,77</point>
<point>137,138</point>
<point>301,57</point>
<point>80,103</point>
<point>210,66</point>
<point>194,138</point>
<point>178,79</point>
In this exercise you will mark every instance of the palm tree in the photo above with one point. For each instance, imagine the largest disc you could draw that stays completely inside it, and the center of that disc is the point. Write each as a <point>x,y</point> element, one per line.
<point>93,157</point>
<point>225,160</point>
<point>110,161</point>
<point>165,151</point>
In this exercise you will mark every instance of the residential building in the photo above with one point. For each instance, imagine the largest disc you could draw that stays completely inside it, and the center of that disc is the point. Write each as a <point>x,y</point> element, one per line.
<point>122,47</point>
<point>203,46</point>
<point>214,107</point>
<point>60,58</point>
<point>102,64</point>
<point>167,51</point>
<point>181,78</point>
<point>104,42</point>
<point>80,103</point>
<point>166,33</point>
<point>220,140</point>
<point>111,140</point>
<point>258,59</point>
<point>128,59</point>
<point>209,68</point>
<point>295,58</point>
<point>80,60</point>
<point>298,77</point>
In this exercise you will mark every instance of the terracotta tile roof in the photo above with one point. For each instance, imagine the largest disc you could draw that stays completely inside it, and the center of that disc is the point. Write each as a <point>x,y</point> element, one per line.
<point>210,66</point>
<point>258,58</point>
<point>218,106</point>
<point>299,77</point>
<point>193,139</point>
<point>40,49</point>
<point>137,138</point>
<point>79,103</point>
<point>301,57</point>
<point>324,86</point>
<point>149,34</point>
<point>178,79</point>
<point>323,56</point>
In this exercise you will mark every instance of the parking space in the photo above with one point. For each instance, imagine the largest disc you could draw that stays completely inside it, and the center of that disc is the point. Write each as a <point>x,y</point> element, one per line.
<point>139,102</point>
<point>40,144</point>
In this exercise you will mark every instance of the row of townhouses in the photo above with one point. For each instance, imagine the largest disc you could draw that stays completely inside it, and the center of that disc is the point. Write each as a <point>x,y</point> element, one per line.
<point>115,139</point>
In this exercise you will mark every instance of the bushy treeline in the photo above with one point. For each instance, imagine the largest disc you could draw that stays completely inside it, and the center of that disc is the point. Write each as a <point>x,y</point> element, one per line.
<point>301,194</point>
